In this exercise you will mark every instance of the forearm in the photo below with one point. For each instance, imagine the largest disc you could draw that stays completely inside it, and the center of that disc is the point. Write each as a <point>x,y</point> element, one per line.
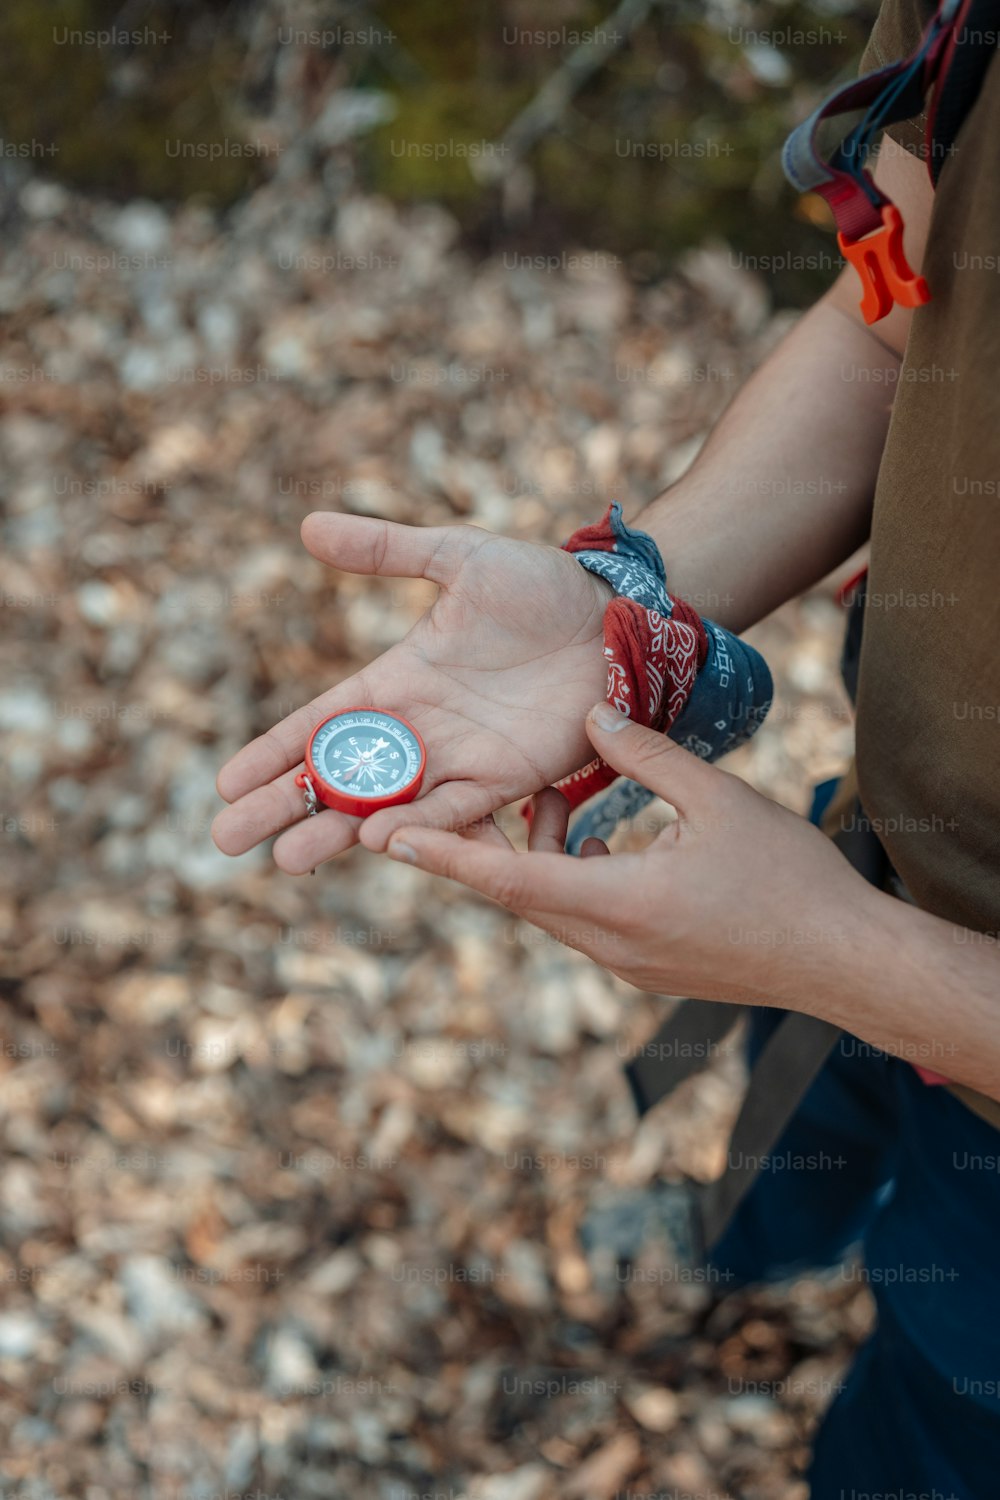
<point>781,493</point>
<point>740,900</point>
<point>915,987</point>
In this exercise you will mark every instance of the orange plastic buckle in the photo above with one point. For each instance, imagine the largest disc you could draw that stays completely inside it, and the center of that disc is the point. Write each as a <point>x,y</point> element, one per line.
<point>886,274</point>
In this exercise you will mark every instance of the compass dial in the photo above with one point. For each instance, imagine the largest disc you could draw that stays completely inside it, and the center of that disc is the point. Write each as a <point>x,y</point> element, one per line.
<point>363,759</point>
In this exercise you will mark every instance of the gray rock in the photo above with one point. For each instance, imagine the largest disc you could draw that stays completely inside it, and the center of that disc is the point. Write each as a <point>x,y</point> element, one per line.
<point>143,368</point>
<point>19,1335</point>
<point>352,112</point>
<point>525,1280</point>
<point>31,1431</point>
<point>290,1364</point>
<point>141,228</point>
<point>768,65</point>
<point>219,326</point>
<point>157,1301</point>
<point>25,709</point>
<point>370,1436</point>
<point>529,1482</point>
<point>241,1457</point>
<point>749,1413</point>
<point>621,1223</point>
<point>98,602</point>
<point>43,200</point>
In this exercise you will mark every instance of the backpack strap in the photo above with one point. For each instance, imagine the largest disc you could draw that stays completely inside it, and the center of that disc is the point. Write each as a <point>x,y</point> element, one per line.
<point>684,1045</point>
<point>869,226</point>
<point>790,1060</point>
<point>971,45</point>
<point>785,1069</point>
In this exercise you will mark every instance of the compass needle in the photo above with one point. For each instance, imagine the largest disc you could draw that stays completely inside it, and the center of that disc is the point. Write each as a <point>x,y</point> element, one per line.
<point>363,759</point>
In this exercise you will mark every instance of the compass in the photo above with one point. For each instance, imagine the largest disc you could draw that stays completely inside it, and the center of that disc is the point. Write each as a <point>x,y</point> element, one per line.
<point>360,760</point>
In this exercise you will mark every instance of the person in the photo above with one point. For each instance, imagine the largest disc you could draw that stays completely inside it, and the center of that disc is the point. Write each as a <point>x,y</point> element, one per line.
<point>504,677</point>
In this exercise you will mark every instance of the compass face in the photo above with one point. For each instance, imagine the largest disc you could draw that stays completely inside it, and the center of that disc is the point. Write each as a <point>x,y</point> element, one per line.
<point>367,755</point>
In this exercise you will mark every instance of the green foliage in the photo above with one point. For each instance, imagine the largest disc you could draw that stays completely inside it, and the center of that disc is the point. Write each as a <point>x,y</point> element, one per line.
<point>676,138</point>
<point>150,118</point>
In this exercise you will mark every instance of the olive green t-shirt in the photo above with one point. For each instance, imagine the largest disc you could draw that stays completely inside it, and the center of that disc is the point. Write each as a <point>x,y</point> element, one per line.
<point>928,727</point>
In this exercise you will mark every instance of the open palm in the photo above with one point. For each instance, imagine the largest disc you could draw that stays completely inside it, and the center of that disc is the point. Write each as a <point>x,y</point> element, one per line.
<point>497,676</point>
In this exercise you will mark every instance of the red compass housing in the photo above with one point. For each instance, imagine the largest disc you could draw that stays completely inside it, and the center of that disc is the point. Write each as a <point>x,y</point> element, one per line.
<point>362,759</point>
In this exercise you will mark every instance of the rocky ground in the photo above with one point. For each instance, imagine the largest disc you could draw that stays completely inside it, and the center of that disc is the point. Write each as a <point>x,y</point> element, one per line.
<point>297,1173</point>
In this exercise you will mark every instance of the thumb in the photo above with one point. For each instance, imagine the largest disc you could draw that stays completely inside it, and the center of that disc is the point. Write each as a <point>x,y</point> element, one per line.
<point>645,755</point>
<point>363,544</point>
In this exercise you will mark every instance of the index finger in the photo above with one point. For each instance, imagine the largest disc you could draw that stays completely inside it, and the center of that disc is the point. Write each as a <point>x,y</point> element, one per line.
<point>553,883</point>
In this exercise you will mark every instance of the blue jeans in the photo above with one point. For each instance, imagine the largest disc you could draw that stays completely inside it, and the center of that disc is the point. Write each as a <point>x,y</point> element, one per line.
<point>911,1175</point>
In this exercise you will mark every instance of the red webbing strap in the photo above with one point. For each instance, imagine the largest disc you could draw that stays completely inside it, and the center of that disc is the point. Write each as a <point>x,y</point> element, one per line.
<point>870,229</point>
<point>899,90</point>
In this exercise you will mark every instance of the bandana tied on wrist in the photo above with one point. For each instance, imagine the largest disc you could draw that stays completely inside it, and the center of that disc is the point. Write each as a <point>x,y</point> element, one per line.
<point>667,668</point>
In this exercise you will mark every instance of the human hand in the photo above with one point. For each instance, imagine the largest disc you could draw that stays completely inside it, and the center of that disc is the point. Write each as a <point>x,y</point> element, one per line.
<point>497,677</point>
<point>739,900</point>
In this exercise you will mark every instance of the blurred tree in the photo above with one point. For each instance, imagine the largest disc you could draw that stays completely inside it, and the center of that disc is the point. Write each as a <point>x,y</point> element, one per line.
<point>671,135</point>
<point>127,99</point>
<point>675,138</point>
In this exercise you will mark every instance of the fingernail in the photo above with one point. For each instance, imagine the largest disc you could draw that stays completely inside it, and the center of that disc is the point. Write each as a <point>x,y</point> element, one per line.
<point>398,850</point>
<point>606,717</point>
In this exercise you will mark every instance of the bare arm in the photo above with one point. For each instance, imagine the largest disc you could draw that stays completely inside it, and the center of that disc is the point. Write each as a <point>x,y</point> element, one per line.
<point>499,673</point>
<point>740,900</point>
<point>781,493</point>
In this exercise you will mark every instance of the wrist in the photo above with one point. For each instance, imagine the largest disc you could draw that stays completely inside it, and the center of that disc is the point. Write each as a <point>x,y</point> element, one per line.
<point>604,589</point>
<point>680,670</point>
<point>845,953</point>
